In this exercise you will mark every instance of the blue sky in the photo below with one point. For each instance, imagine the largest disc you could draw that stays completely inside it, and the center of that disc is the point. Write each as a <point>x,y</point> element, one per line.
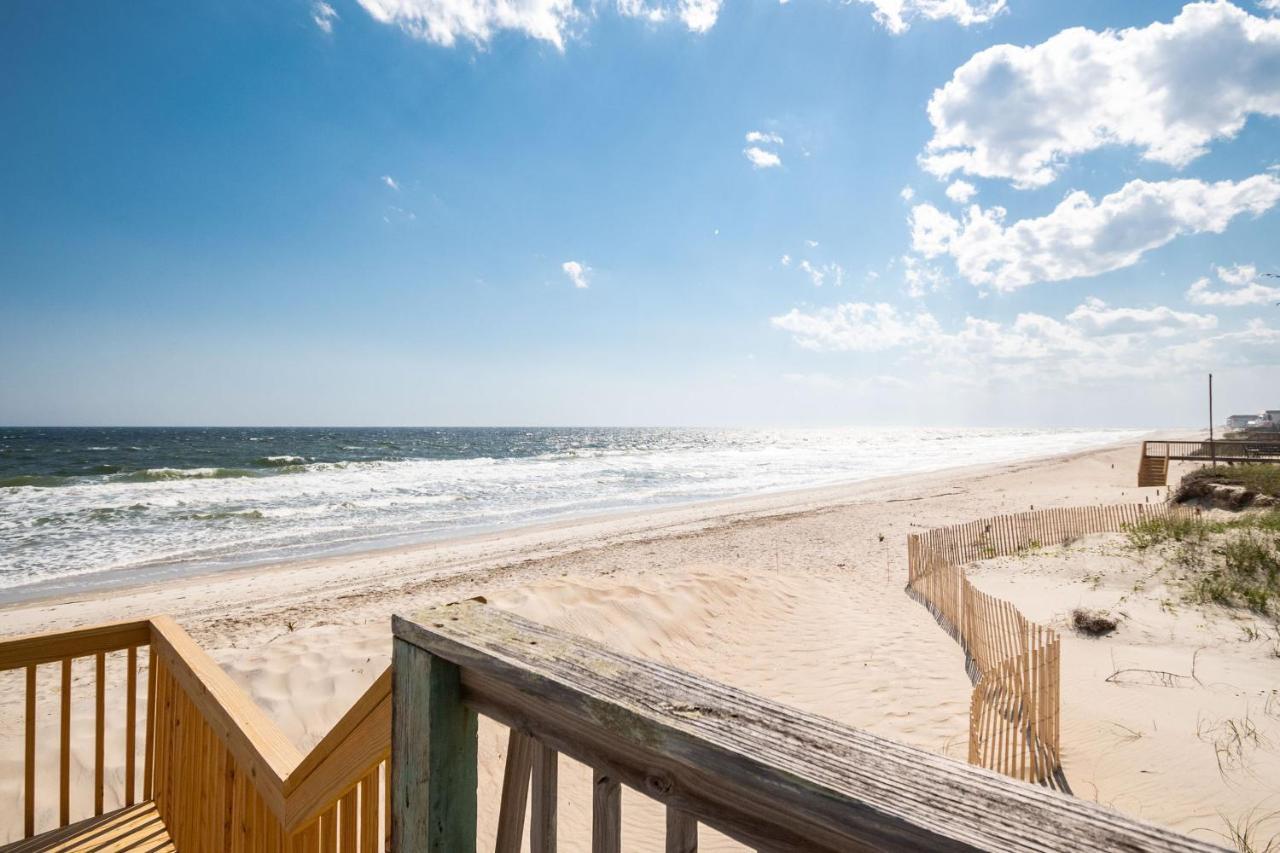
<point>871,212</point>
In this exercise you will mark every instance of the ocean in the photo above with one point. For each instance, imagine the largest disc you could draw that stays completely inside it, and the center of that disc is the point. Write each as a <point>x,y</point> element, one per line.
<point>84,508</point>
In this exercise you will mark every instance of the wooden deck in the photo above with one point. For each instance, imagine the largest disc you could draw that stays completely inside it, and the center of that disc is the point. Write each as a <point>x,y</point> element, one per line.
<point>133,828</point>
<point>1153,464</point>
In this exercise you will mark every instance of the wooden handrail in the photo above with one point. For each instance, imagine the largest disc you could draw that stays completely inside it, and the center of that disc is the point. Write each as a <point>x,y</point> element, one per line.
<point>359,741</point>
<point>35,649</point>
<point>767,775</point>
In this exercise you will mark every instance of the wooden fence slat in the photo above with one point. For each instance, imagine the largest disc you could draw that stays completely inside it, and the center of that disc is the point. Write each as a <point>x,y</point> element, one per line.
<point>131,726</point>
<point>682,832</point>
<point>370,798</point>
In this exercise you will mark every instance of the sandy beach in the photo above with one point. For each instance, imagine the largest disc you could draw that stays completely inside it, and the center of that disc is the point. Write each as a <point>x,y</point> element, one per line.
<point>797,596</point>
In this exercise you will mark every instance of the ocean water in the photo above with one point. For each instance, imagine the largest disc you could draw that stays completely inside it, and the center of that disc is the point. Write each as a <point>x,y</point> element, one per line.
<point>83,508</point>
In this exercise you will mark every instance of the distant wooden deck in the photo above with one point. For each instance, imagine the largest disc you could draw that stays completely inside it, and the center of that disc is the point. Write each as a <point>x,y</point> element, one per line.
<point>1153,464</point>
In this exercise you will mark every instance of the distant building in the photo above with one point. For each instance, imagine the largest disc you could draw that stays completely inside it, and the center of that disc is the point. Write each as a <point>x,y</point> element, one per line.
<point>1242,421</point>
<point>1273,417</point>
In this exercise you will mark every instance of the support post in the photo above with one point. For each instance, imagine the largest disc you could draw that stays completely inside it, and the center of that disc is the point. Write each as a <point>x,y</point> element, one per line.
<point>433,755</point>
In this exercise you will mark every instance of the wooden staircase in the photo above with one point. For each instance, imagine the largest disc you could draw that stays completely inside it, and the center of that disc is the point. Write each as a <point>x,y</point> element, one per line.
<point>1153,471</point>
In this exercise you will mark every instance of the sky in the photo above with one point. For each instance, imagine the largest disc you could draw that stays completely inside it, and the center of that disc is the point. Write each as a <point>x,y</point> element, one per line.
<point>638,212</point>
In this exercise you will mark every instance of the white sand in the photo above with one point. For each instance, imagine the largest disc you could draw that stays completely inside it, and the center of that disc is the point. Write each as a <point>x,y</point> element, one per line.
<point>794,596</point>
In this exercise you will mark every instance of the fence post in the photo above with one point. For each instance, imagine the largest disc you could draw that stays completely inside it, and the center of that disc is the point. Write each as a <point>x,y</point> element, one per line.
<point>433,755</point>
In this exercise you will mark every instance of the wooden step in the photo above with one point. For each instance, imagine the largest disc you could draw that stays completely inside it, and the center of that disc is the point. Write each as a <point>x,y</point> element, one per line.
<point>1153,471</point>
<point>137,827</point>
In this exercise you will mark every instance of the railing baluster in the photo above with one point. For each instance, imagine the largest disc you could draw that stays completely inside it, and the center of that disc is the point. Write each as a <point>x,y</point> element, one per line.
<point>546,769</point>
<point>148,741</point>
<point>130,725</point>
<point>515,793</point>
<point>606,815</point>
<point>99,729</point>
<point>682,832</point>
<point>64,760</point>
<point>347,821</point>
<point>369,799</point>
<point>29,761</point>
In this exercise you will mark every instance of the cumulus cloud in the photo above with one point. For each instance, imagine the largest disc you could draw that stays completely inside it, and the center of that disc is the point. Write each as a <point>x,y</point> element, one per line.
<point>961,192</point>
<point>444,22</point>
<point>896,15</point>
<point>757,137</point>
<point>1019,113</point>
<point>1093,342</point>
<point>323,15</point>
<point>785,260</point>
<point>1081,237</point>
<point>578,273</point>
<point>1243,288</point>
<point>907,193</point>
<point>391,182</point>
<point>760,158</point>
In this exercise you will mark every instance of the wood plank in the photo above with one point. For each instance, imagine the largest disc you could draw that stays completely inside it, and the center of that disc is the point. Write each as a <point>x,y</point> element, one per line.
<point>682,832</point>
<point>546,771</point>
<point>64,755</point>
<point>53,646</point>
<point>29,759</point>
<point>515,793</point>
<point>261,749</point>
<point>99,730</point>
<point>433,755</point>
<point>131,726</point>
<point>370,801</point>
<point>138,828</point>
<point>148,743</point>
<point>348,809</point>
<point>606,814</point>
<point>360,740</point>
<point>765,774</point>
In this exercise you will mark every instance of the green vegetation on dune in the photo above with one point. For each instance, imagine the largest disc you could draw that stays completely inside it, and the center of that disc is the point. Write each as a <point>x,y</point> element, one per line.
<point>1233,562</point>
<point>1256,477</point>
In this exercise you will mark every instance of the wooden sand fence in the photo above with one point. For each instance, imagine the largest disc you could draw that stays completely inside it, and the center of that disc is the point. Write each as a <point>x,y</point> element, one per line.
<point>1014,663</point>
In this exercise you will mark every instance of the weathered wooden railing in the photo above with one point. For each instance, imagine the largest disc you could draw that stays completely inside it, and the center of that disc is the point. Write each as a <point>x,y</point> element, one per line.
<point>1015,714</point>
<point>1233,450</point>
<point>771,777</point>
<point>217,771</point>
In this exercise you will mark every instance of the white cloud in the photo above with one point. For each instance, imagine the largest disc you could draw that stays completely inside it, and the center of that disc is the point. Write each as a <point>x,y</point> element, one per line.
<point>324,15</point>
<point>1096,317</point>
<point>786,260</point>
<point>1272,6</point>
<point>578,273</point>
<point>444,22</point>
<point>921,278</point>
<point>812,244</point>
<point>697,15</point>
<point>896,15</point>
<point>820,274</point>
<point>1093,342</point>
<point>761,159</point>
<point>1081,237</point>
<point>759,136</point>
<point>857,327</point>
<point>1243,288</point>
<point>391,182</point>
<point>907,193</point>
<point>1167,89</point>
<point>961,192</point>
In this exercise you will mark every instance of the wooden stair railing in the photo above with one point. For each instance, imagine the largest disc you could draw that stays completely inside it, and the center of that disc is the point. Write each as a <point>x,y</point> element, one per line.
<point>771,777</point>
<point>219,772</point>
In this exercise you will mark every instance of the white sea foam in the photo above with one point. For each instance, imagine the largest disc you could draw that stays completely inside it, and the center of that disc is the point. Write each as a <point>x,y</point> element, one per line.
<point>199,517</point>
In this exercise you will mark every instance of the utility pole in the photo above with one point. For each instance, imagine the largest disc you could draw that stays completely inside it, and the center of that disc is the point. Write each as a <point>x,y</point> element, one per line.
<point>1213,450</point>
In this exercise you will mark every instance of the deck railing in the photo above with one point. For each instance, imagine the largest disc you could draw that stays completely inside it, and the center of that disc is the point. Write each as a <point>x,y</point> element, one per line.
<point>1014,663</point>
<point>1251,450</point>
<point>221,774</point>
<point>771,777</point>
